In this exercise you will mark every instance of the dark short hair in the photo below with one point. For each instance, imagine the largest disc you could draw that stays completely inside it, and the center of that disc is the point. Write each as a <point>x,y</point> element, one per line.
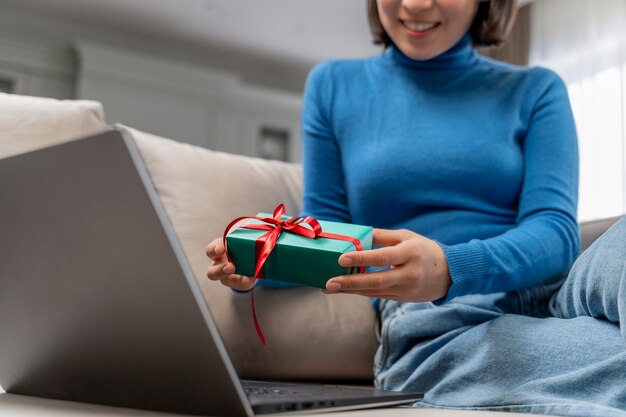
<point>490,27</point>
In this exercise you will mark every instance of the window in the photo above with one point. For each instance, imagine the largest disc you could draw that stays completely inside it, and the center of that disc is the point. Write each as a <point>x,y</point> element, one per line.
<point>273,143</point>
<point>584,42</point>
<point>6,86</point>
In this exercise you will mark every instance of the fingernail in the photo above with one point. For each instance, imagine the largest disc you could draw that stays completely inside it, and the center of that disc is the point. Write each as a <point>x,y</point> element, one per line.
<point>346,260</point>
<point>333,286</point>
<point>228,269</point>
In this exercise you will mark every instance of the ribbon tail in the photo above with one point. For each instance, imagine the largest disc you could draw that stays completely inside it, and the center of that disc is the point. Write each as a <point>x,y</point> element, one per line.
<point>262,253</point>
<point>257,326</point>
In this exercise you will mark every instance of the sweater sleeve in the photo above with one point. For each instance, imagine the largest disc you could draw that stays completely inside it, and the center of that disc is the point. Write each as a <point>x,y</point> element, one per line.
<point>324,190</point>
<point>545,239</point>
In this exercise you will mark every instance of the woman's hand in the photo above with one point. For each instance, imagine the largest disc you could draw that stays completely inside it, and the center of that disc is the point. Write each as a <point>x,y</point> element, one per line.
<point>224,271</point>
<point>419,270</point>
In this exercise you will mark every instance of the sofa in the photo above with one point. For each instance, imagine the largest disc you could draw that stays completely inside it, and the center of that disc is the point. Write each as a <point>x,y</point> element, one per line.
<point>311,336</point>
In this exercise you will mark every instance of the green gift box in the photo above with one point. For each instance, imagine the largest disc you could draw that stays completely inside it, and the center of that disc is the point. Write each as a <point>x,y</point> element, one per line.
<point>298,259</point>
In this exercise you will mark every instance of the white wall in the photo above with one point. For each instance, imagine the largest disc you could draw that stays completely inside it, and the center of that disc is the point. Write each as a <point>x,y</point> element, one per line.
<point>34,68</point>
<point>145,86</point>
<point>184,102</point>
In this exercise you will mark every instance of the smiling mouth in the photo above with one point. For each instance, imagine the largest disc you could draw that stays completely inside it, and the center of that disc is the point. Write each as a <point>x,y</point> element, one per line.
<point>419,27</point>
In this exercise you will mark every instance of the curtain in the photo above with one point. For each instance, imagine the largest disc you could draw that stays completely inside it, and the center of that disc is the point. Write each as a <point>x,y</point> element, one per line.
<point>584,41</point>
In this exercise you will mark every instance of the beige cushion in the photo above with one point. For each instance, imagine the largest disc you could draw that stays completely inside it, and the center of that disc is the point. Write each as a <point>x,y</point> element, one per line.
<point>29,123</point>
<point>309,335</point>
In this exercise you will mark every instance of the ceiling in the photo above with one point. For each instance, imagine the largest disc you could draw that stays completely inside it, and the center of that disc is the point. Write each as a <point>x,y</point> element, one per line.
<point>279,39</point>
<point>305,32</point>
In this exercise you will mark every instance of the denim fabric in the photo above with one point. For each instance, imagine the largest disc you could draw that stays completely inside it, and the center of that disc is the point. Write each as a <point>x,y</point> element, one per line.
<point>554,349</point>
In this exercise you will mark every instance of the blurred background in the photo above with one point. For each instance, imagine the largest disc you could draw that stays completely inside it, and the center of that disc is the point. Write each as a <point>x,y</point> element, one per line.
<point>228,74</point>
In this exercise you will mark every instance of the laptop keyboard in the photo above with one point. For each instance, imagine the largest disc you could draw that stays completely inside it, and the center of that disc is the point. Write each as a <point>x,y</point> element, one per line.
<point>256,391</point>
<point>272,397</point>
<point>273,391</point>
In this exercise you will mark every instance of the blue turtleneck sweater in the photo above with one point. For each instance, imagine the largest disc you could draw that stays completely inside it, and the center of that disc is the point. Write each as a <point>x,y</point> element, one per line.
<point>475,154</point>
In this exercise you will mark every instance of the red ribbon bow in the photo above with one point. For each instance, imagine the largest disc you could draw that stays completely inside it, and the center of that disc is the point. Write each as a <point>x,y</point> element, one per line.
<point>265,243</point>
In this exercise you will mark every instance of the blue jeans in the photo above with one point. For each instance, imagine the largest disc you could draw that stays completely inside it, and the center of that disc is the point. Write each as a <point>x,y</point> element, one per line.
<point>557,348</point>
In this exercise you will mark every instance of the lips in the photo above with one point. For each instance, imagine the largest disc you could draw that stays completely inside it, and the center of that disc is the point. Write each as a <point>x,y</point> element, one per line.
<point>419,26</point>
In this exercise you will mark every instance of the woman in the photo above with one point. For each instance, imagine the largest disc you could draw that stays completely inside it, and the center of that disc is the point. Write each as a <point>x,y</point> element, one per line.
<point>469,170</point>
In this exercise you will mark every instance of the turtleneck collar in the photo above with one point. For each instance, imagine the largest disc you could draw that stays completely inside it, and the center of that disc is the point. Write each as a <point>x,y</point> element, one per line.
<point>461,55</point>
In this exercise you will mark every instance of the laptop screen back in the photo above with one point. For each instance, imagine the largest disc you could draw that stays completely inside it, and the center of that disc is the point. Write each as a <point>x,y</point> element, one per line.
<point>97,303</point>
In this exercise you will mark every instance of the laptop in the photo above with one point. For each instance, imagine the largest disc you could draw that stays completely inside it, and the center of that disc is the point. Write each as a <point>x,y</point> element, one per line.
<point>98,303</point>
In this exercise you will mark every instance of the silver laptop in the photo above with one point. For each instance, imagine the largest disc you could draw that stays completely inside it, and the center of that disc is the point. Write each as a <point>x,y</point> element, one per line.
<point>98,303</point>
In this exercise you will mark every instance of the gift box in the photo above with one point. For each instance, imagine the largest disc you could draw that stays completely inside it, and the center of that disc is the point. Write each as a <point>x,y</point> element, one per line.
<point>296,259</point>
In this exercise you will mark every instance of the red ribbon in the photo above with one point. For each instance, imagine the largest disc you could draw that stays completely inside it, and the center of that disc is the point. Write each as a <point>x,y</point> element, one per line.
<point>265,243</point>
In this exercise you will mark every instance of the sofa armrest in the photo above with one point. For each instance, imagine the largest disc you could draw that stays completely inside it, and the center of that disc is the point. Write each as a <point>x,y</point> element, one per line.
<point>591,230</point>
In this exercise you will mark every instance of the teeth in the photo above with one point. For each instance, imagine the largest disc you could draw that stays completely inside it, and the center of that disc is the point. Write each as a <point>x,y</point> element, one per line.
<point>419,27</point>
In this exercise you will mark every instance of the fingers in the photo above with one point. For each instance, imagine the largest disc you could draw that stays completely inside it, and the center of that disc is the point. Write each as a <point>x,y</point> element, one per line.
<point>376,294</point>
<point>225,274</point>
<point>220,268</point>
<point>382,293</point>
<point>385,237</point>
<point>238,282</point>
<point>219,271</point>
<point>360,282</point>
<point>224,271</point>
<point>387,256</point>
<point>216,250</point>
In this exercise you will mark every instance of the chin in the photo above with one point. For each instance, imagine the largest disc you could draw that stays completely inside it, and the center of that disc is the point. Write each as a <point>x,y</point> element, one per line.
<point>420,55</point>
